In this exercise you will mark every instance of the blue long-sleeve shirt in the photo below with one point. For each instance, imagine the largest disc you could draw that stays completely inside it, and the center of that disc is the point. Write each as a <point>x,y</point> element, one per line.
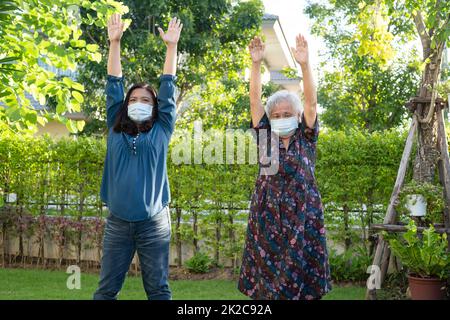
<point>136,186</point>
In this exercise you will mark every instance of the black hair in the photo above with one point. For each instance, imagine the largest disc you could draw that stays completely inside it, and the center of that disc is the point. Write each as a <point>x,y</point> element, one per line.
<point>123,122</point>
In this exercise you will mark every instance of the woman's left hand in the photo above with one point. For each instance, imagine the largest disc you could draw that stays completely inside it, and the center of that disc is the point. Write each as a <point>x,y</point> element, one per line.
<point>300,51</point>
<point>172,35</point>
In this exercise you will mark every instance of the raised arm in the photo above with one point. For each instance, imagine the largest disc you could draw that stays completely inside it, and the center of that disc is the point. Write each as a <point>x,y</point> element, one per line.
<point>256,49</point>
<point>170,38</point>
<point>114,83</point>
<point>115,31</point>
<point>166,96</point>
<point>301,54</point>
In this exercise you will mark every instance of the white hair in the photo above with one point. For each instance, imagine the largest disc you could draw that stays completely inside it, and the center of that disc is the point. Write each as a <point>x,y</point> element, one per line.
<point>283,96</point>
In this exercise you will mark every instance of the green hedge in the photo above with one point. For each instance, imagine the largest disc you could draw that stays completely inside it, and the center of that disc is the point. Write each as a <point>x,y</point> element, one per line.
<point>353,170</point>
<point>209,201</point>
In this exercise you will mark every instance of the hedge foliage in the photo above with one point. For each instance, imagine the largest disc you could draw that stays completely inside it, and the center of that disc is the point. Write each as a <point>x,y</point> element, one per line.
<point>209,201</point>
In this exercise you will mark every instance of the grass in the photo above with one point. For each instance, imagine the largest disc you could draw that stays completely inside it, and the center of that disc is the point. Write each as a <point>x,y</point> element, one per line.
<point>32,284</point>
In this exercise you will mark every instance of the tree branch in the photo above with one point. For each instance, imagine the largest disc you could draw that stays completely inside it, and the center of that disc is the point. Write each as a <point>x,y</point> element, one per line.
<point>91,37</point>
<point>184,89</point>
<point>446,24</point>
<point>424,37</point>
<point>438,52</point>
<point>438,20</point>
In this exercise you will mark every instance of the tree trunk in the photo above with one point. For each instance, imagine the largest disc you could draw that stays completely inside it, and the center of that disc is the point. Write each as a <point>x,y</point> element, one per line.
<point>195,231</point>
<point>425,162</point>
<point>347,239</point>
<point>218,239</point>
<point>79,241</point>
<point>4,239</point>
<point>41,223</point>
<point>178,237</point>
<point>80,219</point>
<point>232,240</point>
<point>427,156</point>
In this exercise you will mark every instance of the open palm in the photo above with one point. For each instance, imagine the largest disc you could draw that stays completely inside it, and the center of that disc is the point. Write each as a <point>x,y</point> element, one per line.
<point>256,48</point>
<point>115,27</point>
<point>301,52</point>
<point>172,35</point>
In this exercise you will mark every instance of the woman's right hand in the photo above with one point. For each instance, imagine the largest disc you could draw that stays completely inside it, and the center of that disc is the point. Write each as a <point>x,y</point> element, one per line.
<point>115,27</point>
<point>256,48</point>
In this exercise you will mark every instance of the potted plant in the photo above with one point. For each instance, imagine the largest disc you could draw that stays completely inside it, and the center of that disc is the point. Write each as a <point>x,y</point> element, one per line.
<point>427,259</point>
<point>421,199</point>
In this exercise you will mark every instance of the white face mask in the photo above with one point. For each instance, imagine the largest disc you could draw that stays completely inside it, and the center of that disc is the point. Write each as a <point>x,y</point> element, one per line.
<point>285,126</point>
<point>139,111</point>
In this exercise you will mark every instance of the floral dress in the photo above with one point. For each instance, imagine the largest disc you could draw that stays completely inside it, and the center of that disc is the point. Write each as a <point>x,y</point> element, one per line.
<point>285,254</point>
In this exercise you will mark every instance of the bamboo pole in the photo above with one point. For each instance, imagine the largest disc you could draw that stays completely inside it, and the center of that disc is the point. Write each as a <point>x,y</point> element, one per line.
<point>382,252</point>
<point>444,166</point>
<point>402,228</point>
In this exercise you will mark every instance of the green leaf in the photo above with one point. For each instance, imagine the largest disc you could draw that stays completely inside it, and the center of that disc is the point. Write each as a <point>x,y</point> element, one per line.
<point>71,126</point>
<point>42,99</point>
<point>9,60</point>
<point>31,117</point>
<point>13,114</point>
<point>80,125</point>
<point>78,96</point>
<point>60,108</point>
<point>67,81</point>
<point>75,106</point>
<point>78,43</point>
<point>78,86</point>
<point>41,120</point>
<point>92,47</point>
<point>96,56</point>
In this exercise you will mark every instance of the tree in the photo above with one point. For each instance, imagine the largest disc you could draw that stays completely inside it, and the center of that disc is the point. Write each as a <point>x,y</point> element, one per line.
<point>36,37</point>
<point>371,74</point>
<point>222,104</point>
<point>430,21</point>
<point>366,97</point>
<point>212,47</point>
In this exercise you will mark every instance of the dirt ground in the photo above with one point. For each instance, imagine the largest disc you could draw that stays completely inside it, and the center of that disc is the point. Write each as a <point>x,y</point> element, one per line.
<point>181,273</point>
<point>175,273</point>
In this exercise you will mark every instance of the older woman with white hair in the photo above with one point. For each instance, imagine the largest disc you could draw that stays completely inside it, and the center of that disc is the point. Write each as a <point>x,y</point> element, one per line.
<point>285,255</point>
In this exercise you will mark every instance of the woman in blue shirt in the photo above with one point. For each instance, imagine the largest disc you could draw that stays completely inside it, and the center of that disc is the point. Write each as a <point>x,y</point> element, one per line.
<point>135,186</point>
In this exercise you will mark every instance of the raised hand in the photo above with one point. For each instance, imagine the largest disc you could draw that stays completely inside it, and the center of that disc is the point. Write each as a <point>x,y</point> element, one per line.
<point>115,27</point>
<point>256,48</point>
<point>301,52</point>
<point>172,35</point>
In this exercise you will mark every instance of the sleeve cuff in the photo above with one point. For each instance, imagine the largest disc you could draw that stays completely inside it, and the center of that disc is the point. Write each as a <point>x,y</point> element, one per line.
<point>263,123</point>
<point>114,78</point>
<point>167,77</point>
<point>304,122</point>
<point>310,133</point>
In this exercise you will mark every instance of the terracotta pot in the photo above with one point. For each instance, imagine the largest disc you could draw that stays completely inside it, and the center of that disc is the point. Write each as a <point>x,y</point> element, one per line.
<point>427,288</point>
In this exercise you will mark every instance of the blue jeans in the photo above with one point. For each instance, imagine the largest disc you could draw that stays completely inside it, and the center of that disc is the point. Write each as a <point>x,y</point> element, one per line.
<point>151,239</point>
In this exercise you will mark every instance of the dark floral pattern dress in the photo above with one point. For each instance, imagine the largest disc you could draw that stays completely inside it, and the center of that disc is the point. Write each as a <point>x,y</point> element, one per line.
<point>285,255</point>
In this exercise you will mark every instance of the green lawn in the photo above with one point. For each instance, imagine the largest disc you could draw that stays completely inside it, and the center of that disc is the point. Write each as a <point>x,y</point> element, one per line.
<point>24,284</point>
